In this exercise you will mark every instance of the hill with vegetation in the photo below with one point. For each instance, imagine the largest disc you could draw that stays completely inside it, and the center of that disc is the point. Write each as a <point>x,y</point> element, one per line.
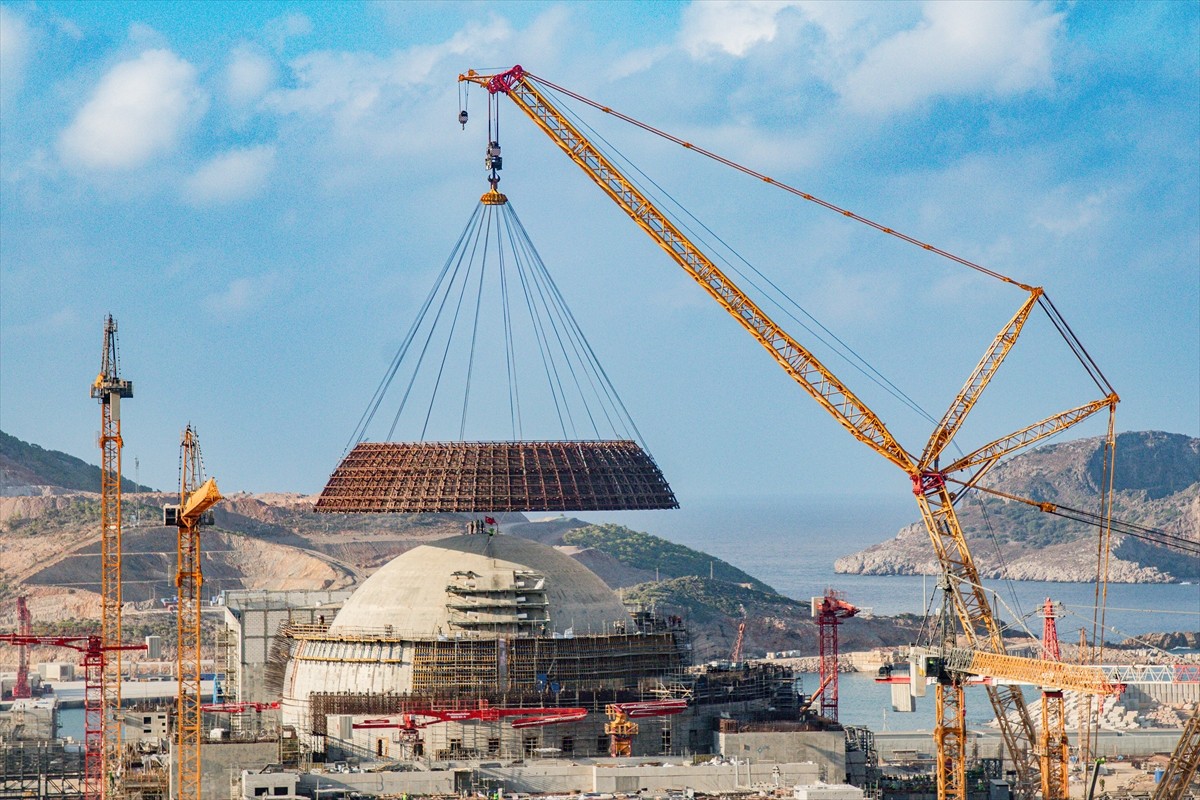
<point>24,466</point>
<point>650,553</point>
<point>1156,484</point>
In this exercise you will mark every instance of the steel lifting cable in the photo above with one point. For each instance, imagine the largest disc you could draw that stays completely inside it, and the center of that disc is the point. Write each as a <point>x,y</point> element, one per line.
<point>543,344</point>
<point>847,353</point>
<point>386,382</point>
<point>475,222</point>
<point>462,427</point>
<point>606,395</point>
<point>449,338</point>
<point>538,284</point>
<point>510,358</point>
<point>767,179</point>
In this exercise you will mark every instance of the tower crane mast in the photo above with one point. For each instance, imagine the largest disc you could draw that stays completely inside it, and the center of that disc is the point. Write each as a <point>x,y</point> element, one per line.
<point>109,389</point>
<point>21,687</point>
<point>196,497</point>
<point>830,610</point>
<point>929,480</point>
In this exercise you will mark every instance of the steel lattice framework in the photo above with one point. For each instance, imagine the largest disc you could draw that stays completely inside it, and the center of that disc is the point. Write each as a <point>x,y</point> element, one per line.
<point>196,497</point>
<point>109,389</point>
<point>936,502</point>
<point>412,477</point>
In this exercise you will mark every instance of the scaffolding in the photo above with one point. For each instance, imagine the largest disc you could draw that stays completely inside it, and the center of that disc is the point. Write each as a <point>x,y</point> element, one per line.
<point>45,770</point>
<point>490,477</point>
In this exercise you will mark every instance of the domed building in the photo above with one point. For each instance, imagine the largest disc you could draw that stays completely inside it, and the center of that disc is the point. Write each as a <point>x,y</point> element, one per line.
<point>496,622</point>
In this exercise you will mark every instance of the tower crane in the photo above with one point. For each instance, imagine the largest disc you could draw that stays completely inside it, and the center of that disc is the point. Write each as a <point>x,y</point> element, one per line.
<point>735,655</point>
<point>109,389</point>
<point>196,497</point>
<point>923,470</point>
<point>830,610</point>
<point>24,628</point>
<point>95,659</point>
<point>1053,744</point>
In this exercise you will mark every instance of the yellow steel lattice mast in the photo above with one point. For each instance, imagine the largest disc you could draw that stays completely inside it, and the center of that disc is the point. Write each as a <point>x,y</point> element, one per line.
<point>109,389</point>
<point>196,497</point>
<point>935,500</point>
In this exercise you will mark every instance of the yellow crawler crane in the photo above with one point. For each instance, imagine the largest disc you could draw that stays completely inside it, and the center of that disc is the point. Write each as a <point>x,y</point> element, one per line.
<point>196,497</point>
<point>109,389</point>
<point>929,480</point>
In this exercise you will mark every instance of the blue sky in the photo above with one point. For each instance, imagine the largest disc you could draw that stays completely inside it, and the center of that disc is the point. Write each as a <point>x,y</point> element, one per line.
<point>262,194</point>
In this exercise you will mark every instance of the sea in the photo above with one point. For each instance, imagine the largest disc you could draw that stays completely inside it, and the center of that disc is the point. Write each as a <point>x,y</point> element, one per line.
<point>792,545</point>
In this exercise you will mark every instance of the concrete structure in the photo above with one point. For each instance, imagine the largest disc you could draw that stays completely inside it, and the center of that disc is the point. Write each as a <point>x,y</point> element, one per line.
<point>560,777</point>
<point>32,719</point>
<point>252,617</point>
<point>57,671</point>
<point>775,742</point>
<point>504,622</point>
<point>268,784</point>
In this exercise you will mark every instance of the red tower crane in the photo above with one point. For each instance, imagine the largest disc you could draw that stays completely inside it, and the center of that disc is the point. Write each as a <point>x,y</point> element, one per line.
<point>1052,749</point>
<point>830,610</point>
<point>24,628</point>
<point>94,661</point>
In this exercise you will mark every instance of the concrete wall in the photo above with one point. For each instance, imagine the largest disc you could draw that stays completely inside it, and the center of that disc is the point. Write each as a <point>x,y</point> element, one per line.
<point>254,615</point>
<point>609,775</point>
<point>825,748</point>
<point>220,763</point>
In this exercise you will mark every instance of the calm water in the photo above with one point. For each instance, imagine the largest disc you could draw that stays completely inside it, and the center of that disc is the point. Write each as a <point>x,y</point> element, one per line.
<point>793,547</point>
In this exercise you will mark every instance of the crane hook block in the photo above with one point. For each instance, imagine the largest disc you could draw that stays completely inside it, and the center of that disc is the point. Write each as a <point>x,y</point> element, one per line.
<point>462,118</point>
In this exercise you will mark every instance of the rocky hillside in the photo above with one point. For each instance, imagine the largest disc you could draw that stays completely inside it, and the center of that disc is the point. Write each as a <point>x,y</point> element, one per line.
<point>49,550</point>
<point>1157,485</point>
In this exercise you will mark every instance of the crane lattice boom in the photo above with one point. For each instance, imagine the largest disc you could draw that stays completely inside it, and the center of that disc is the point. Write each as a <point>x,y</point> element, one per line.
<point>929,483</point>
<point>109,389</point>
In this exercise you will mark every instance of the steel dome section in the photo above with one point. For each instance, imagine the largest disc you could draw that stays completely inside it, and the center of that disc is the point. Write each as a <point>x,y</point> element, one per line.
<point>413,477</point>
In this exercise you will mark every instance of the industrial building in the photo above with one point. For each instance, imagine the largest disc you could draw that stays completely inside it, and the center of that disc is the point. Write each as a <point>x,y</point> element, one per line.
<point>494,622</point>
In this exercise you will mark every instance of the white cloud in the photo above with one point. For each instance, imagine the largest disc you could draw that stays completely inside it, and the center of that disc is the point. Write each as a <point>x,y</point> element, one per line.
<point>248,76</point>
<point>233,175</point>
<point>243,294</point>
<point>140,110</point>
<point>280,29</point>
<point>994,47</point>
<point>1062,214</point>
<point>363,96</point>
<point>15,44</point>
<point>730,26</point>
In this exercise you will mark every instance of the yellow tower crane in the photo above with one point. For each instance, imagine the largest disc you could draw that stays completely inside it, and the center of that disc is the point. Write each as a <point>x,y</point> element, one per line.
<point>196,497</point>
<point>928,478</point>
<point>109,389</point>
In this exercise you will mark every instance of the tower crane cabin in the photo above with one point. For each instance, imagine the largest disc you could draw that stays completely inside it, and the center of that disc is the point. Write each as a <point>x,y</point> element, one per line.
<point>929,478</point>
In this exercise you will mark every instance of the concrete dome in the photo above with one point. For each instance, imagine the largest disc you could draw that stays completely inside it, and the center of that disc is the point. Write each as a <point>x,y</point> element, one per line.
<point>482,584</point>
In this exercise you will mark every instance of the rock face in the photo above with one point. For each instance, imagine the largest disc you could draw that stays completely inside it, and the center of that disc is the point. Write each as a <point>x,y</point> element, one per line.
<point>1156,485</point>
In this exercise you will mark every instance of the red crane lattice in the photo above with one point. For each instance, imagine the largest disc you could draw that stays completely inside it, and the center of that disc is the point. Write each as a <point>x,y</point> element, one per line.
<point>21,688</point>
<point>830,610</point>
<point>93,662</point>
